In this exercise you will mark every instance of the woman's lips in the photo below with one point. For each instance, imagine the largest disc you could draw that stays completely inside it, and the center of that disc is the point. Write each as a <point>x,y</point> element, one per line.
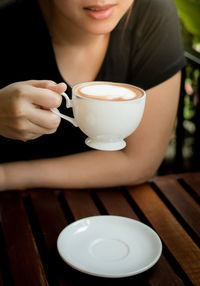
<point>100,12</point>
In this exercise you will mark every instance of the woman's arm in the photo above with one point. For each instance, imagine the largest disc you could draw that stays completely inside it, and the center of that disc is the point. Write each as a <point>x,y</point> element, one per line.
<point>134,164</point>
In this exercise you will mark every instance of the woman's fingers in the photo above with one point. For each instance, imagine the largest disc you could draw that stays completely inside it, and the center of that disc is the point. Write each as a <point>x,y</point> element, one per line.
<point>45,95</point>
<point>45,119</point>
<point>27,129</point>
<point>25,109</point>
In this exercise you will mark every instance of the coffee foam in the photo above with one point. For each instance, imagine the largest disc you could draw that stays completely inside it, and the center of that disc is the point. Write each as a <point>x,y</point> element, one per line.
<point>109,92</point>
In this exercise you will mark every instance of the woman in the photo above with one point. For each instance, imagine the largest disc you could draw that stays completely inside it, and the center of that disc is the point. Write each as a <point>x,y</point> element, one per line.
<point>53,44</point>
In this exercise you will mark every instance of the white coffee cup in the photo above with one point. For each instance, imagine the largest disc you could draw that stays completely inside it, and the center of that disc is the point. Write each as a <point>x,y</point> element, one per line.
<point>107,112</point>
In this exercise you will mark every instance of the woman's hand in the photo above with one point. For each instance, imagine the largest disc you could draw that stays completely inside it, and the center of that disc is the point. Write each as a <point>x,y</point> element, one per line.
<point>25,109</point>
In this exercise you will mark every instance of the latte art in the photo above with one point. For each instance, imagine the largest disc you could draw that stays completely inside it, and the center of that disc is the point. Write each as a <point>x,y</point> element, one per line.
<point>108,91</point>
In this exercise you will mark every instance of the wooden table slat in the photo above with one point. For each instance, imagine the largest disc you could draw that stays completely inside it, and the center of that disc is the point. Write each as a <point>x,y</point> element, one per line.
<point>47,209</point>
<point>193,180</point>
<point>81,203</point>
<point>115,203</point>
<point>5,272</point>
<point>181,246</point>
<point>49,206</point>
<point>181,201</point>
<point>19,241</point>
<point>163,274</point>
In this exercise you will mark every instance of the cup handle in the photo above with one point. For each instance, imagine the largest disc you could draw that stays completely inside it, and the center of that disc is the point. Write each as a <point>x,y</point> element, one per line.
<point>68,105</point>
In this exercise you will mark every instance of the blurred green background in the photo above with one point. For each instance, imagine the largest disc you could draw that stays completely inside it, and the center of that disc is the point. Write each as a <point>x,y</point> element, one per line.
<point>189,14</point>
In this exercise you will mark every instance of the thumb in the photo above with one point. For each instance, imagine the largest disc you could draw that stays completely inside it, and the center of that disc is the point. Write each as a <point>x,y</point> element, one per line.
<point>58,88</point>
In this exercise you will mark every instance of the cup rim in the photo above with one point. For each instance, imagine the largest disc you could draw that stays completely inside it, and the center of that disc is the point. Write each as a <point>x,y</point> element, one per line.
<point>143,92</point>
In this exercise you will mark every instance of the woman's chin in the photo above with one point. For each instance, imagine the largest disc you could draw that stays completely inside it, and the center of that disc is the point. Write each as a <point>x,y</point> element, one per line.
<point>101,29</point>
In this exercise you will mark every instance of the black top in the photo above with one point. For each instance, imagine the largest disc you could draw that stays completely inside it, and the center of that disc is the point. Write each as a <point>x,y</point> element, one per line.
<point>148,53</point>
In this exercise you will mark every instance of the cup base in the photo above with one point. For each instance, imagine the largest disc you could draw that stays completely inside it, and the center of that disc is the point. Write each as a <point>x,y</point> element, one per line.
<point>105,146</point>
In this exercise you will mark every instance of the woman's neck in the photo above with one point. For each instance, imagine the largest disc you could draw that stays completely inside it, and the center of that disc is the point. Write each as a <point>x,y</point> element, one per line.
<point>75,50</point>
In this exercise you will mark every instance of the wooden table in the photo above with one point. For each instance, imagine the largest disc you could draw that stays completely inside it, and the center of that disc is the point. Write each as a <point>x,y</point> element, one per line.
<point>31,221</point>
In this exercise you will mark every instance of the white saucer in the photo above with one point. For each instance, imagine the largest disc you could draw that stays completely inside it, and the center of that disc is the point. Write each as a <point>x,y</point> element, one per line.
<point>109,246</point>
